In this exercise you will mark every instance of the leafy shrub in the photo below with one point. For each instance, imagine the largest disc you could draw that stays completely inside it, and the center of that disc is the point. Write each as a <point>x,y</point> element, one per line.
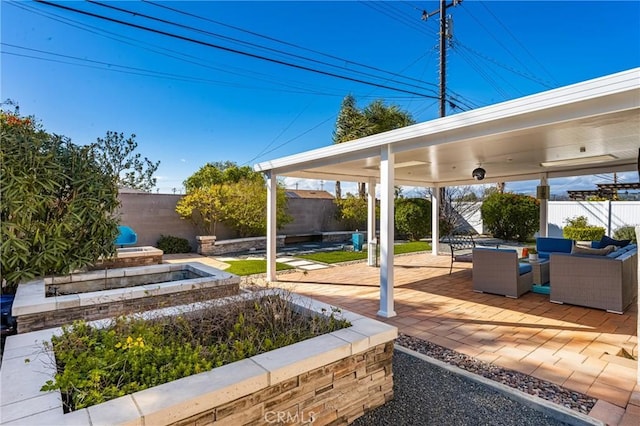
<point>511,216</point>
<point>169,244</point>
<point>96,365</point>
<point>236,196</point>
<point>590,233</point>
<point>578,228</point>
<point>413,217</point>
<point>57,203</point>
<point>577,222</point>
<point>625,233</point>
<point>352,211</point>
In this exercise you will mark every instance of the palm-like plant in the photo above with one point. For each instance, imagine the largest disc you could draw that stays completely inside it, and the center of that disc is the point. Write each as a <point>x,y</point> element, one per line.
<point>353,123</point>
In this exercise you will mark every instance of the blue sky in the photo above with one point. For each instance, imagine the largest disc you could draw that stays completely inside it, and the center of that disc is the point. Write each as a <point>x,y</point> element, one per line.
<point>189,102</point>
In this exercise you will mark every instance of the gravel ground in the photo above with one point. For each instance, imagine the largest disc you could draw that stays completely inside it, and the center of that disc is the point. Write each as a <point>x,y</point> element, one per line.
<point>425,394</point>
<point>528,384</point>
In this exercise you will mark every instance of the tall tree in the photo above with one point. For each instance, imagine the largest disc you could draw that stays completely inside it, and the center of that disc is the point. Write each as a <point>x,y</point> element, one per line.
<point>223,192</point>
<point>353,123</point>
<point>58,204</point>
<point>117,157</point>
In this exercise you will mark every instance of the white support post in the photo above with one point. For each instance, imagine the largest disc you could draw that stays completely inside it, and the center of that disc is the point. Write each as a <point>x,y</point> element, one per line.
<point>638,305</point>
<point>387,178</point>
<point>272,187</point>
<point>435,220</point>
<point>544,209</point>
<point>371,222</point>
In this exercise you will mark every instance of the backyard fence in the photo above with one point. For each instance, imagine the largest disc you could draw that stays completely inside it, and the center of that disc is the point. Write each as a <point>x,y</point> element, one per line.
<point>610,215</point>
<point>151,215</point>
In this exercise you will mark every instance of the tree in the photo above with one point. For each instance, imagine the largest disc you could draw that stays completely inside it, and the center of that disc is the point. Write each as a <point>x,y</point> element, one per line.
<point>222,192</point>
<point>511,216</point>
<point>375,118</point>
<point>413,217</point>
<point>220,172</point>
<point>458,203</point>
<point>352,211</point>
<point>57,203</point>
<point>117,157</point>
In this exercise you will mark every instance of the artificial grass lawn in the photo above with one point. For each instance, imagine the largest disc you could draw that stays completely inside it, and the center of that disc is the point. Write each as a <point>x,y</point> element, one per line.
<point>411,247</point>
<point>346,256</point>
<point>252,266</point>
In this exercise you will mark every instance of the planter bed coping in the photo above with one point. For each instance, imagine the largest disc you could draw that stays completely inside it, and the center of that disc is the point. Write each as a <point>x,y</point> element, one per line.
<point>170,402</point>
<point>31,298</point>
<point>137,251</point>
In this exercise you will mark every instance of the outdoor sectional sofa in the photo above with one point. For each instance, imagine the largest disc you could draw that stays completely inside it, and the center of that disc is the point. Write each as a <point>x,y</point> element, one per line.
<point>597,281</point>
<point>548,245</point>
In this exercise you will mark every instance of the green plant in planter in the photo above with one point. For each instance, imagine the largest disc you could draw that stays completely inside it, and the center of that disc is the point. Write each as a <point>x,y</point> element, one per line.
<point>578,229</point>
<point>96,365</point>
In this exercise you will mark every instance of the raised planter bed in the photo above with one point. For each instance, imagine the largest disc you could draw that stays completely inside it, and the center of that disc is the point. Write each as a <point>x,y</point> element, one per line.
<point>209,246</point>
<point>132,256</point>
<point>51,302</point>
<point>329,379</point>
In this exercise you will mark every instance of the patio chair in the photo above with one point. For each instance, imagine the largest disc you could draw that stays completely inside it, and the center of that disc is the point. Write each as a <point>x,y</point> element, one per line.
<point>461,247</point>
<point>498,271</point>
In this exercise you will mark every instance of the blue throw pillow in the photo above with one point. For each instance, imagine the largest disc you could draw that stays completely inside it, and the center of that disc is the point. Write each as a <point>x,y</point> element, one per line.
<point>607,241</point>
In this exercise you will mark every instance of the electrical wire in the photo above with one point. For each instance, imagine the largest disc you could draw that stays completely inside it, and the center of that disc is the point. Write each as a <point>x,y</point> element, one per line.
<point>378,7</point>
<point>506,67</point>
<point>480,71</point>
<point>347,61</point>
<point>304,87</point>
<point>230,50</point>
<point>555,82</point>
<point>242,42</point>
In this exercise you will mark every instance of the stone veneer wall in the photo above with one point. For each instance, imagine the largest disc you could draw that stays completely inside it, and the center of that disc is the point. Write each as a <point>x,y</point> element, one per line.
<point>335,394</point>
<point>113,309</point>
<point>126,262</point>
<point>209,246</point>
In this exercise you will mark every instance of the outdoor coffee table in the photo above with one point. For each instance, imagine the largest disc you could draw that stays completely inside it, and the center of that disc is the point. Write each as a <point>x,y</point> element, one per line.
<point>540,275</point>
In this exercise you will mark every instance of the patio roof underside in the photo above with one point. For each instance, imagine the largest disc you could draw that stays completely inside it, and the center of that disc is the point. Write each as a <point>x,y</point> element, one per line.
<point>595,123</point>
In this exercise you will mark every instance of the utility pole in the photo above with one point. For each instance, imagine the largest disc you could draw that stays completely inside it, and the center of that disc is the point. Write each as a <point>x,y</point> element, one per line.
<point>446,24</point>
<point>445,33</point>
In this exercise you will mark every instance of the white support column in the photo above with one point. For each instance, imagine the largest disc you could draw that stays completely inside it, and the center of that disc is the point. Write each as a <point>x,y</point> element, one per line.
<point>435,220</point>
<point>371,222</point>
<point>544,209</point>
<point>387,178</point>
<point>272,187</point>
<point>638,304</point>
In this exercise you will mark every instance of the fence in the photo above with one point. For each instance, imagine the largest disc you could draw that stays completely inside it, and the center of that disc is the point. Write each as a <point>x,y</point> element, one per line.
<point>152,215</point>
<point>610,215</point>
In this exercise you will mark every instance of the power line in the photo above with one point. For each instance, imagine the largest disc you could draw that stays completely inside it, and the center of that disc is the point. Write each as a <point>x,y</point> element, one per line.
<point>480,71</point>
<point>376,6</point>
<point>235,40</point>
<point>348,61</point>
<point>506,67</point>
<point>181,56</point>
<point>519,43</point>
<point>231,50</point>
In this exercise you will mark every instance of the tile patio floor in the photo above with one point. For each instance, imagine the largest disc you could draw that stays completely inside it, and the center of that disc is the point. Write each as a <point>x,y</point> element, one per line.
<point>571,346</point>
